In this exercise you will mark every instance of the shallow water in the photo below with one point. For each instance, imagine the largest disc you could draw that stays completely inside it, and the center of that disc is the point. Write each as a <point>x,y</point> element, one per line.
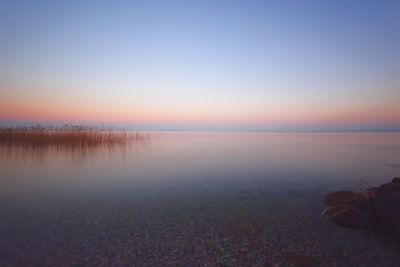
<point>192,199</point>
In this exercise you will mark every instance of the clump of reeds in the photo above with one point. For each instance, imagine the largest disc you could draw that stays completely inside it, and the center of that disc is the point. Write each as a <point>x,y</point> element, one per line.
<point>67,136</point>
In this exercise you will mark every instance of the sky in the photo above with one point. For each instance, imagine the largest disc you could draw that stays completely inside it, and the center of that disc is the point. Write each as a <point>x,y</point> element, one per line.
<point>202,65</point>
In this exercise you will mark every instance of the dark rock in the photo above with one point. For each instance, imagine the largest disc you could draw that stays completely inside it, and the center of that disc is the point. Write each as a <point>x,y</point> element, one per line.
<point>376,208</point>
<point>343,197</point>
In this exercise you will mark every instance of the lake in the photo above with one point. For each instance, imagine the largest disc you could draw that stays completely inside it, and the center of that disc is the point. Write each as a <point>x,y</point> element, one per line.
<point>190,199</point>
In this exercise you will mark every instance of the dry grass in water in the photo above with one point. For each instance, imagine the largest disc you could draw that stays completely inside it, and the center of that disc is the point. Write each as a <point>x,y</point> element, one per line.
<point>68,136</point>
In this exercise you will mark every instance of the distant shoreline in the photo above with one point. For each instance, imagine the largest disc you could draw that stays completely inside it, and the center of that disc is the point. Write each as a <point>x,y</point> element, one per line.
<point>108,127</point>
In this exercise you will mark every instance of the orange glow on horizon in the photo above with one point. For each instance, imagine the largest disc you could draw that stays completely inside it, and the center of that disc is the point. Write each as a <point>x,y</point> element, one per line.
<point>300,115</point>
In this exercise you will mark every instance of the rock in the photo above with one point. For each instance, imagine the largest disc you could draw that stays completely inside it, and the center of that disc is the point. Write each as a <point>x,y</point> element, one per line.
<point>377,208</point>
<point>343,197</point>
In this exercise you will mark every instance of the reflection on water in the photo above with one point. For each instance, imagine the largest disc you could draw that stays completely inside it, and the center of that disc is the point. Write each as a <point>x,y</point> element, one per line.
<point>158,159</point>
<point>67,138</point>
<point>40,144</point>
<point>208,198</point>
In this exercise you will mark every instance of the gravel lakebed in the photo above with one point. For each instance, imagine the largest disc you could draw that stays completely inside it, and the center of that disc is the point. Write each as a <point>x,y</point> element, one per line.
<point>247,227</point>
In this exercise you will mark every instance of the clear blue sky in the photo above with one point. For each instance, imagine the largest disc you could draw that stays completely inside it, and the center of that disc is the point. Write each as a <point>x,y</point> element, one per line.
<point>202,64</point>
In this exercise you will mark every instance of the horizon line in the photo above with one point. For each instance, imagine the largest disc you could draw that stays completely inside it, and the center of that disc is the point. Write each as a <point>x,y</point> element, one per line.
<point>161,129</point>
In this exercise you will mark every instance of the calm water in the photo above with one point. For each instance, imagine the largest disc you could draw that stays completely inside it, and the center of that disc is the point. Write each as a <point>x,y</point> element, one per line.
<point>192,199</point>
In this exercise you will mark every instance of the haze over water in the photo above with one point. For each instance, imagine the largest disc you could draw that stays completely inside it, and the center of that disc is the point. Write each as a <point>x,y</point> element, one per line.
<point>191,158</point>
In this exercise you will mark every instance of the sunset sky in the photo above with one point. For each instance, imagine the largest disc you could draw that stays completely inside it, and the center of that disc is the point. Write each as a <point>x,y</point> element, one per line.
<point>202,65</point>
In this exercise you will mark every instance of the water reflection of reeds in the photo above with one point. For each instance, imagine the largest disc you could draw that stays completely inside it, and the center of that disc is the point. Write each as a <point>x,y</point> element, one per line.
<point>73,139</point>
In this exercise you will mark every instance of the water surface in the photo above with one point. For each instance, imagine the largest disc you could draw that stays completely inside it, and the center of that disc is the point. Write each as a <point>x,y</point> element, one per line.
<point>192,199</point>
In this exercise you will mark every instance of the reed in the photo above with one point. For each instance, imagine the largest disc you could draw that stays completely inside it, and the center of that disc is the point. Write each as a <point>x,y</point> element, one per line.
<point>68,136</point>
